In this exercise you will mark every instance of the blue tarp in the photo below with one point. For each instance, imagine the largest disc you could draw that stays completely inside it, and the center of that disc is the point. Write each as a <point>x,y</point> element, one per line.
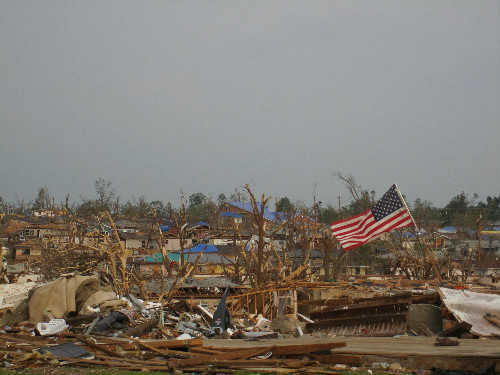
<point>202,247</point>
<point>201,224</point>
<point>164,228</point>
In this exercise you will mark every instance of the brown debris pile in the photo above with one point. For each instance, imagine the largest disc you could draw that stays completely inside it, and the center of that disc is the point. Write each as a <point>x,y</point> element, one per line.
<point>81,321</point>
<point>127,353</point>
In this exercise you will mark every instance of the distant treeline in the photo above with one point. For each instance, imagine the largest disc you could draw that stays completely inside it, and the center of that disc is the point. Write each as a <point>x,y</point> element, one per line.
<point>462,210</point>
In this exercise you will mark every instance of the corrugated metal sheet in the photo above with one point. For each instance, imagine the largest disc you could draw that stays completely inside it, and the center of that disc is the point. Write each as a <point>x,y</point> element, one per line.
<point>470,307</point>
<point>373,317</point>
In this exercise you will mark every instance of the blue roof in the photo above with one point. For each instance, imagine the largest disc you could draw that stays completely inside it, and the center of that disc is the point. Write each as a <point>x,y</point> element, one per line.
<point>247,206</point>
<point>164,228</point>
<point>202,247</point>
<point>201,224</point>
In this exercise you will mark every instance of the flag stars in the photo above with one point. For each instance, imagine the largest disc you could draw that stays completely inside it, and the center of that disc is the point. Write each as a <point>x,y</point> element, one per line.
<point>388,204</point>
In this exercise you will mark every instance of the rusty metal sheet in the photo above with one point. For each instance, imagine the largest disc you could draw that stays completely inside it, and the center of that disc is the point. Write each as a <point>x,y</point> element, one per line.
<point>470,307</point>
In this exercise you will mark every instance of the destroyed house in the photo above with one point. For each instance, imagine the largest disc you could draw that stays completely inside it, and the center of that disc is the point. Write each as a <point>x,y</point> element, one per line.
<point>126,226</point>
<point>301,221</point>
<point>209,263</point>
<point>245,212</point>
<point>200,231</point>
<point>298,256</point>
<point>206,292</point>
<point>138,240</point>
<point>23,242</point>
<point>151,264</point>
<point>409,239</point>
<point>20,231</point>
<point>228,239</point>
<point>24,255</point>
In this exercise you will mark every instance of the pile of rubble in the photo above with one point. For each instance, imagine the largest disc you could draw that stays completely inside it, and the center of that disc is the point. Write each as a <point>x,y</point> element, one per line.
<point>80,321</point>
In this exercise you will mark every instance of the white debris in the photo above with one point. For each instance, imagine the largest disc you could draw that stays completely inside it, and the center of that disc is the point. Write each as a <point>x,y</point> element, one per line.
<point>53,327</point>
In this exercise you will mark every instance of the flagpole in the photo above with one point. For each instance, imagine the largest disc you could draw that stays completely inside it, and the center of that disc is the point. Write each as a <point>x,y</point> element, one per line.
<point>407,209</point>
<point>429,255</point>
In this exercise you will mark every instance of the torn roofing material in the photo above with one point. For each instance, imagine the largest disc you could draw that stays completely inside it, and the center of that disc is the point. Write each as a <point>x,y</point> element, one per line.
<point>10,294</point>
<point>471,307</point>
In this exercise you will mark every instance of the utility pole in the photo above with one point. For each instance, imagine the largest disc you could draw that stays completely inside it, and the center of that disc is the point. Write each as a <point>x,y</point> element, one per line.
<point>479,235</point>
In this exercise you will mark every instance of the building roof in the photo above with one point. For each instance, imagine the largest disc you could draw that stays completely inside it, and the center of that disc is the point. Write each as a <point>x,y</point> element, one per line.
<point>247,206</point>
<point>164,228</point>
<point>205,248</point>
<point>125,224</point>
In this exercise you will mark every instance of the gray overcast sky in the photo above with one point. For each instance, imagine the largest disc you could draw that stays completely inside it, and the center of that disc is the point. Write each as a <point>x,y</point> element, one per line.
<point>206,96</point>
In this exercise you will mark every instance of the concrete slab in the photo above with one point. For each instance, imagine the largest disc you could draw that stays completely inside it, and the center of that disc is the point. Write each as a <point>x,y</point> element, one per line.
<point>412,352</point>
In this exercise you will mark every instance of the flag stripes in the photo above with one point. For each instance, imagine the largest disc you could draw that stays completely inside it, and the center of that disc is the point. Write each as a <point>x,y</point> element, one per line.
<point>363,228</point>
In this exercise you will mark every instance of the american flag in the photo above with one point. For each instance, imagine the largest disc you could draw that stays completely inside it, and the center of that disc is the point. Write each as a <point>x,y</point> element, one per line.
<point>389,213</point>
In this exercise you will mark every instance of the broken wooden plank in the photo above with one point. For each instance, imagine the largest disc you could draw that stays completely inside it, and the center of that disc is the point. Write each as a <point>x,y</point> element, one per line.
<point>158,344</point>
<point>209,359</point>
<point>456,330</point>
<point>95,346</point>
<point>143,328</point>
<point>285,350</point>
<point>166,352</point>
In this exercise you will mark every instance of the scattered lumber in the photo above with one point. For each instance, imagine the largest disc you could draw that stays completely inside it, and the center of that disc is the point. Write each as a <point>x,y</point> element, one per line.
<point>189,355</point>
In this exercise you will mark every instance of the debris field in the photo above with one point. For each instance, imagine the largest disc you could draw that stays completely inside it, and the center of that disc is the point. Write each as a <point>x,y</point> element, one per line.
<point>383,324</point>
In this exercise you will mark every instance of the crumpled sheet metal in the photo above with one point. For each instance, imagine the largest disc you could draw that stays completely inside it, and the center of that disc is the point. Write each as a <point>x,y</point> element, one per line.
<point>470,307</point>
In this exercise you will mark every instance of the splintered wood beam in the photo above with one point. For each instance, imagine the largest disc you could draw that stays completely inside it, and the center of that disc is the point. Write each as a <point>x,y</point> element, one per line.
<point>142,328</point>
<point>122,365</point>
<point>98,347</point>
<point>209,359</point>
<point>291,349</point>
<point>158,344</point>
<point>204,351</point>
